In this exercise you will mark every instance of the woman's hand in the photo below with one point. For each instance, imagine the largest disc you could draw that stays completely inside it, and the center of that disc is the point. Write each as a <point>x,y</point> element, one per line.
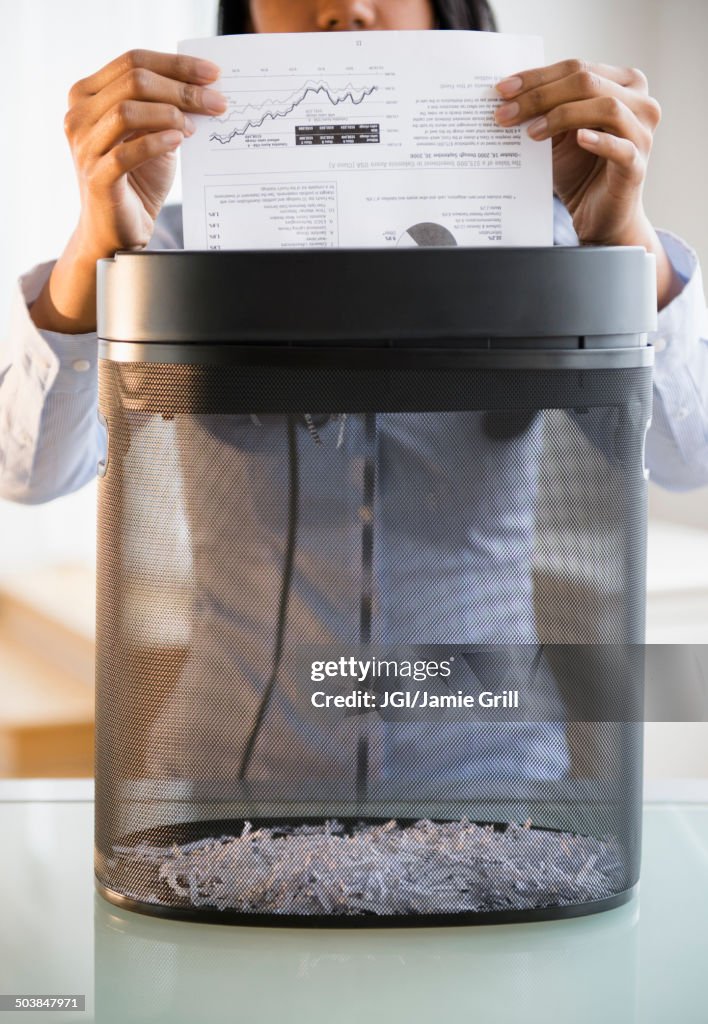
<point>602,122</point>
<point>124,124</point>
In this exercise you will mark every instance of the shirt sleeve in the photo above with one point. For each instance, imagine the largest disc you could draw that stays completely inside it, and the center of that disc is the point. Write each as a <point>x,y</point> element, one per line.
<point>677,441</point>
<point>676,452</point>
<point>51,440</point>
<point>50,437</point>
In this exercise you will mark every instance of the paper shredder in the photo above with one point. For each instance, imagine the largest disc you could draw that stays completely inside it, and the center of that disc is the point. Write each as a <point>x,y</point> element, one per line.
<point>354,506</point>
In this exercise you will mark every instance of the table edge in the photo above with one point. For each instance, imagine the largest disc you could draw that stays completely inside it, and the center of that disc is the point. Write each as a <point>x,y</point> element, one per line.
<point>656,791</point>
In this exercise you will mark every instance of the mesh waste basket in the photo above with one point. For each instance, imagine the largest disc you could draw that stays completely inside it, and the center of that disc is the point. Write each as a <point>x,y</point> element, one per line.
<point>353,504</point>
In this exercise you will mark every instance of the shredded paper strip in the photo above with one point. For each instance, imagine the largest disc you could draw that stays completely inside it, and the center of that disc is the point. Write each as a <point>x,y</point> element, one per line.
<point>422,868</point>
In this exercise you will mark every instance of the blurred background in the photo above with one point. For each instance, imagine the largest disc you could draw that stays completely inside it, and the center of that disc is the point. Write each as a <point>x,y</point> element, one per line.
<point>47,552</point>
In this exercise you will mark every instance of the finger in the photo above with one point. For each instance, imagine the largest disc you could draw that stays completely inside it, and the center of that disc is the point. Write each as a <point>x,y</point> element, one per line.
<point>625,157</point>
<point>179,66</point>
<point>607,114</point>
<point>126,157</point>
<point>581,85</point>
<point>533,78</point>
<point>129,119</point>
<point>147,86</point>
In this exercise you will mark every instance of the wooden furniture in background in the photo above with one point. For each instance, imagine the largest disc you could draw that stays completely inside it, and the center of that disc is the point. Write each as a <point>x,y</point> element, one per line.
<point>47,672</point>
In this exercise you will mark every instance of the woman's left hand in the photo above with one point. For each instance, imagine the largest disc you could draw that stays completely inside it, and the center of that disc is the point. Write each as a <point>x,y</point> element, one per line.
<point>602,121</point>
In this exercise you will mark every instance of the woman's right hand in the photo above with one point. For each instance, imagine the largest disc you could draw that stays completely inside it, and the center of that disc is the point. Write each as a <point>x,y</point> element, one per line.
<point>124,125</point>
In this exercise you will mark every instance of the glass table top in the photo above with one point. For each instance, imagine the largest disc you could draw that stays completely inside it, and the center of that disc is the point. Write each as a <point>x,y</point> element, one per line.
<point>646,961</point>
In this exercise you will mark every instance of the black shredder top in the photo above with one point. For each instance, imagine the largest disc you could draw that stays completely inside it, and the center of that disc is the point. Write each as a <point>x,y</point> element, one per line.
<point>545,298</point>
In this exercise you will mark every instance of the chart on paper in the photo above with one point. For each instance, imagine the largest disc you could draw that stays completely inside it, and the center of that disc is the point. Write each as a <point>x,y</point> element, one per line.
<point>364,139</point>
<point>269,111</point>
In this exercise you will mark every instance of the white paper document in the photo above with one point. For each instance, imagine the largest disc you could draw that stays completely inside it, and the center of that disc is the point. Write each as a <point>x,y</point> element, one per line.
<point>364,139</point>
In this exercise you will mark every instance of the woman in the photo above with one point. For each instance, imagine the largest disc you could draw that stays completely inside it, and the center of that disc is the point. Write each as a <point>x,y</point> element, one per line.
<point>124,125</point>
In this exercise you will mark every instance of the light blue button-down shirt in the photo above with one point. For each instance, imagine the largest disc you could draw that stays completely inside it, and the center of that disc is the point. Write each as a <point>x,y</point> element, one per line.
<point>50,443</point>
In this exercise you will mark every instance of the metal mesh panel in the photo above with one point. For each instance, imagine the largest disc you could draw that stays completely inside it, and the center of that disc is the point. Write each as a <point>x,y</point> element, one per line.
<point>248,512</point>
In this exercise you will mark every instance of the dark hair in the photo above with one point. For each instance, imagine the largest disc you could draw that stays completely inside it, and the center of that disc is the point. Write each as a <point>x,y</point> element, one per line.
<point>453,14</point>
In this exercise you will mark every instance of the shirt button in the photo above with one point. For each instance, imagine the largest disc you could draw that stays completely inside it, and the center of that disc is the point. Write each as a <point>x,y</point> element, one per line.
<point>660,344</point>
<point>682,412</point>
<point>81,365</point>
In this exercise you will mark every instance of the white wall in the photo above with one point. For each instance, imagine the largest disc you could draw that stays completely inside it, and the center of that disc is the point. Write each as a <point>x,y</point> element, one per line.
<point>669,42</point>
<point>45,46</point>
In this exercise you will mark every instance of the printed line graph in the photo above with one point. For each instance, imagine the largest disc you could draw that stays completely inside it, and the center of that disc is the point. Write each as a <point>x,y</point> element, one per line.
<point>252,116</point>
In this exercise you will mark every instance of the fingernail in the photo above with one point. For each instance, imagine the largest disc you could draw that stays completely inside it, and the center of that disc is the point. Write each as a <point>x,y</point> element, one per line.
<point>213,101</point>
<point>538,128</point>
<point>589,136</point>
<point>507,111</point>
<point>189,125</point>
<point>510,86</point>
<point>206,71</point>
<point>172,138</point>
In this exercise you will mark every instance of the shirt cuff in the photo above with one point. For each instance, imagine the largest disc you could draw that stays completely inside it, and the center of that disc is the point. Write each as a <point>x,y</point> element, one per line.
<point>688,308</point>
<point>63,362</point>
<point>681,357</point>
